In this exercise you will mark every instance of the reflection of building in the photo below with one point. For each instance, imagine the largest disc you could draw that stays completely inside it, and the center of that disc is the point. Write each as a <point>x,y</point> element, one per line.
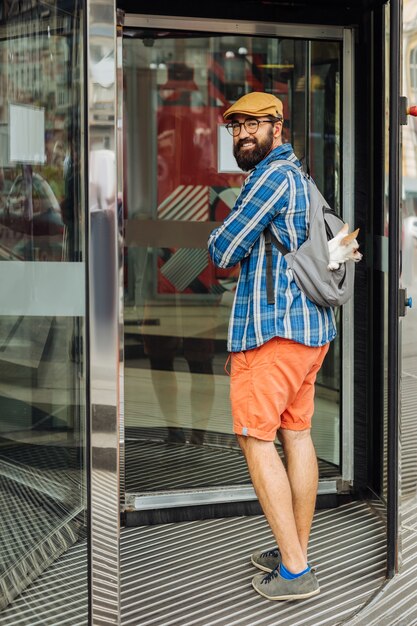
<point>36,67</point>
<point>410,91</point>
<point>409,136</point>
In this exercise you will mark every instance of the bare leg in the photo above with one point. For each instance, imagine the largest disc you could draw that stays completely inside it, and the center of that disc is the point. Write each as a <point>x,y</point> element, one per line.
<point>302,473</point>
<point>273,489</point>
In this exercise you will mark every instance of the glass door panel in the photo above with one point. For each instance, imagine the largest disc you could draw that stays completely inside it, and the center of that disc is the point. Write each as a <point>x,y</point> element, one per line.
<point>180,182</point>
<point>42,371</point>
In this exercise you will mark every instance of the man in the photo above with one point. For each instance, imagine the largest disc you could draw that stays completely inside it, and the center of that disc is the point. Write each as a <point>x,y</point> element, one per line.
<point>276,349</point>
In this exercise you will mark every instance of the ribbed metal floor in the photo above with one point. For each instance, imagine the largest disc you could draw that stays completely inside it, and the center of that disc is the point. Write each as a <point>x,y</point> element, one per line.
<point>408,430</point>
<point>57,598</point>
<point>38,523</point>
<point>395,604</point>
<point>199,573</point>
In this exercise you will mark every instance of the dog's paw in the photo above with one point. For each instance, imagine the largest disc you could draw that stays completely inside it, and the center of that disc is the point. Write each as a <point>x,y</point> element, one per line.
<point>333,265</point>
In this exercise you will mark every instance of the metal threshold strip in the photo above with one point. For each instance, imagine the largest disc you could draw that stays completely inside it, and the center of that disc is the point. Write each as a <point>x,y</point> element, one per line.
<point>195,497</point>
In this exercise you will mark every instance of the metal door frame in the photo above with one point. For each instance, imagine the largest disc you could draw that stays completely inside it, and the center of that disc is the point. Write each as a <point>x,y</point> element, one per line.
<point>395,294</point>
<point>345,35</point>
<point>104,332</point>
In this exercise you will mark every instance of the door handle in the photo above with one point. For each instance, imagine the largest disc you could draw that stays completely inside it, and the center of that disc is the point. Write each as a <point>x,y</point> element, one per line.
<point>404,302</point>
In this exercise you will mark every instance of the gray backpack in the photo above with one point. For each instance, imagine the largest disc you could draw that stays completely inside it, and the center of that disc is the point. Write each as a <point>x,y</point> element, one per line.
<point>329,288</point>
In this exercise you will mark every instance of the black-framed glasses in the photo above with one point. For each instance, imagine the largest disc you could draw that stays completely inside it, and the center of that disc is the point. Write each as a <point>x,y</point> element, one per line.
<point>251,126</point>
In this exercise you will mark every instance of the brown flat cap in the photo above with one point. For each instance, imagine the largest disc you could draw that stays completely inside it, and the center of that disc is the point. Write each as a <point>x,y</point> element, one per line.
<point>256,103</point>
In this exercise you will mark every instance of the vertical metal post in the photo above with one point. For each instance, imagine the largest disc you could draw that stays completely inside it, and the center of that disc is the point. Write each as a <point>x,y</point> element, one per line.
<point>120,222</point>
<point>393,286</point>
<point>307,91</point>
<point>103,292</point>
<point>348,195</point>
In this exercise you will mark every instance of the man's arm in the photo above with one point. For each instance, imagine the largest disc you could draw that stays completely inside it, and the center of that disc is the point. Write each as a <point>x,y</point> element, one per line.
<point>262,198</point>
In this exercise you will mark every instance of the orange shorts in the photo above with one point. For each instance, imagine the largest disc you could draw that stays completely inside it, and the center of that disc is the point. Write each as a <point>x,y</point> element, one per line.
<point>272,387</point>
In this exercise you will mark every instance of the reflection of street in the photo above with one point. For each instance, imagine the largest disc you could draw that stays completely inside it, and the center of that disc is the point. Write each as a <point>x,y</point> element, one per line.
<point>409,386</point>
<point>37,350</point>
<point>409,323</point>
<point>41,451</point>
<point>31,221</point>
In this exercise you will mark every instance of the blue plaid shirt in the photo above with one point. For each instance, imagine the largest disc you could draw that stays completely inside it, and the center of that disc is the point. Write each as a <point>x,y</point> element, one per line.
<point>275,196</point>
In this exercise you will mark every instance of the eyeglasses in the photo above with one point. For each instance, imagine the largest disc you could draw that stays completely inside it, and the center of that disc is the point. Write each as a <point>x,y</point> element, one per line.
<point>251,126</point>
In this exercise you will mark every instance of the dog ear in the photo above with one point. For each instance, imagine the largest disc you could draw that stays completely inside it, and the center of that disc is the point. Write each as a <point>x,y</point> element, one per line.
<point>349,238</point>
<point>344,230</point>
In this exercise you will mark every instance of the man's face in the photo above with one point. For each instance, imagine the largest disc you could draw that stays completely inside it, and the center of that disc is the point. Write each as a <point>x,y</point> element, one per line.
<point>249,149</point>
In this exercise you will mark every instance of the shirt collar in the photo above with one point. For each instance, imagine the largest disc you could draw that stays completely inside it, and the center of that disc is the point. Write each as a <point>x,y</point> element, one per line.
<point>284,151</point>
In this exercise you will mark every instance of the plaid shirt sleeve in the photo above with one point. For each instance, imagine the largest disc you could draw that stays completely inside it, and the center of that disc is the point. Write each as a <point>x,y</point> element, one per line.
<point>261,199</point>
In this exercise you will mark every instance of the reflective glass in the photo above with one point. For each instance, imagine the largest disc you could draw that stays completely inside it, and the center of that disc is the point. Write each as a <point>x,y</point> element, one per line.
<point>42,367</point>
<point>409,272</point>
<point>180,182</point>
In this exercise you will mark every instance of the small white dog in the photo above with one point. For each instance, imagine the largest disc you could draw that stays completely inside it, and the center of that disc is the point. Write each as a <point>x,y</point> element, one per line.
<point>343,247</point>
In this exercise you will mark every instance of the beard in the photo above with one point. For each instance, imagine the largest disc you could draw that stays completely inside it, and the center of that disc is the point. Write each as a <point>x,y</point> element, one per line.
<point>247,159</point>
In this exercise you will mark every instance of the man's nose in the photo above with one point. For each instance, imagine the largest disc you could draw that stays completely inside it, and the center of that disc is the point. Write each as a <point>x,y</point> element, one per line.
<point>243,132</point>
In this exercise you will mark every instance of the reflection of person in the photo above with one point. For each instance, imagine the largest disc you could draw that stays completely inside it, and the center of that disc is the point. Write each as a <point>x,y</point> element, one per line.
<point>198,352</point>
<point>276,349</point>
<point>70,202</point>
<point>58,155</point>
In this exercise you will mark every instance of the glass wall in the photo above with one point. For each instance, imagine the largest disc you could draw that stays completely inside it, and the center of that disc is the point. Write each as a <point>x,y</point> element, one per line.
<point>409,261</point>
<point>42,309</point>
<point>180,182</point>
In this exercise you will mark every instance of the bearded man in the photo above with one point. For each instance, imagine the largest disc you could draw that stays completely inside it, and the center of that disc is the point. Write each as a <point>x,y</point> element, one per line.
<point>276,349</point>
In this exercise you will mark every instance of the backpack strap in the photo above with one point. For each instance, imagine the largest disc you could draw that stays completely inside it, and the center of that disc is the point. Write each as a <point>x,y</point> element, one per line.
<point>269,281</point>
<point>276,242</point>
<point>269,235</point>
<point>269,239</point>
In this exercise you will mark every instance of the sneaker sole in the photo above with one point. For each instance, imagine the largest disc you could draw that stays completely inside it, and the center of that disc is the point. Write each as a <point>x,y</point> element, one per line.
<point>299,596</point>
<point>261,567</point>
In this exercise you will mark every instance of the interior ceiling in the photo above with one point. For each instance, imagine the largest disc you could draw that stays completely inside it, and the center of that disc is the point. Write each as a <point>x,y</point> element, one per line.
<point>337,12</point>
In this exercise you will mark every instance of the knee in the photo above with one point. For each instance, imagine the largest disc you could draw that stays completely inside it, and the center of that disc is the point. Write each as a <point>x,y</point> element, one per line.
<point>248,444</point>
<point>293,437</point>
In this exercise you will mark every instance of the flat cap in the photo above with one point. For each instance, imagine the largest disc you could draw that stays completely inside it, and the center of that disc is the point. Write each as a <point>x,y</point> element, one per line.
<point>256,103</point>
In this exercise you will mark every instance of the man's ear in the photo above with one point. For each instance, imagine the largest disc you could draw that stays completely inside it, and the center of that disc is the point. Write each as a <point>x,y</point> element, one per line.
<point>278,129</point>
